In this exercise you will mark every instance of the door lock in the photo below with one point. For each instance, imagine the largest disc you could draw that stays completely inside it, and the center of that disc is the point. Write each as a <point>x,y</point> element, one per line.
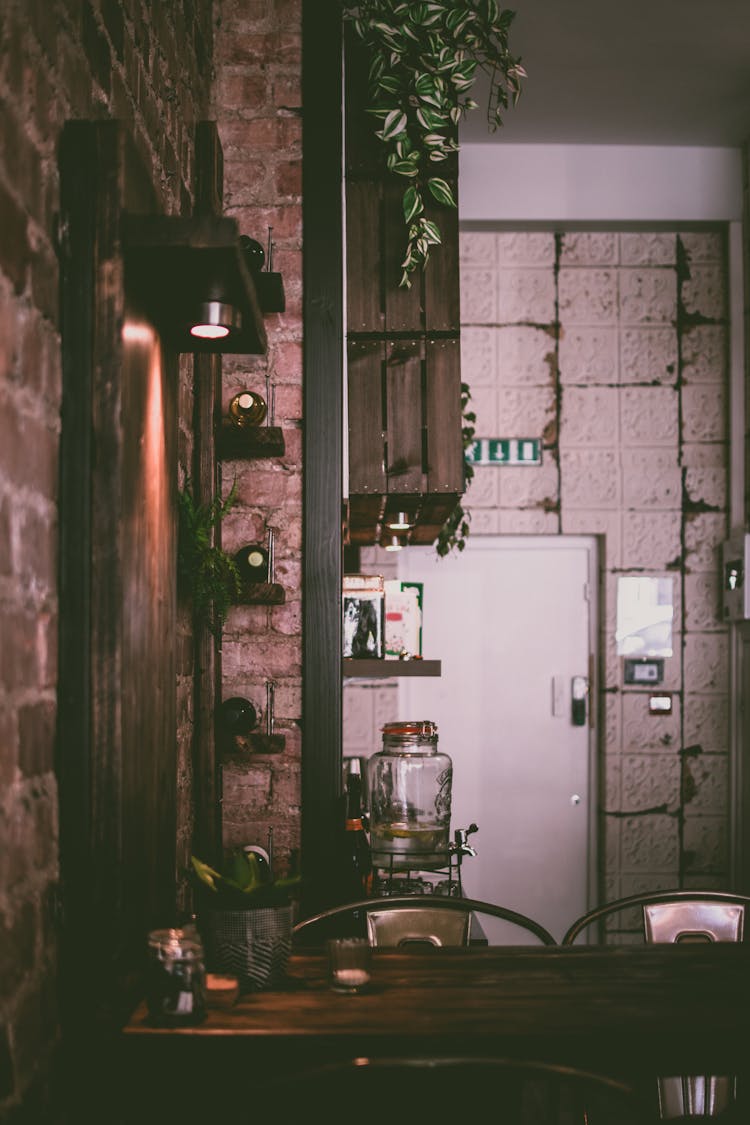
<point>579,691</point>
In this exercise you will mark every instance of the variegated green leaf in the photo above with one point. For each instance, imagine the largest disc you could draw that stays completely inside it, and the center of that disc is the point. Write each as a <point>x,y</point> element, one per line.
<point>412,204</point>
<point>394,124</point>
<point>440,190</point>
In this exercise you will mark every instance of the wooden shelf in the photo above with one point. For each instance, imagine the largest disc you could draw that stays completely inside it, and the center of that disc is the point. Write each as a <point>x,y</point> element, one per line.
<point>242,745</point>
<point>381,669</point>
<point>261,593</point>
<point>173,262</point>
<point>233,443</point>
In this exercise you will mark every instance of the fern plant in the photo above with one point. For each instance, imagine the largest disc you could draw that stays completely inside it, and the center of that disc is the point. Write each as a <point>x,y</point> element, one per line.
<point>424,58</point>
<point>206,573</point>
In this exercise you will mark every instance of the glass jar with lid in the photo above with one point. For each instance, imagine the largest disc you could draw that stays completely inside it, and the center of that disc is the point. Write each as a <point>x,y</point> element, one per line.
<point>409,787</point>
<point>176,977</point>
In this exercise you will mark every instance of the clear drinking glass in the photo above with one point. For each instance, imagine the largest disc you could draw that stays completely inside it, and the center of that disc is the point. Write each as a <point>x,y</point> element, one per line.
<point>348,964</point>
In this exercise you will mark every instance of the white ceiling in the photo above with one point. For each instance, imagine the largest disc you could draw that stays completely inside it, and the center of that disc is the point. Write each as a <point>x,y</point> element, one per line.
<point>637,72</point>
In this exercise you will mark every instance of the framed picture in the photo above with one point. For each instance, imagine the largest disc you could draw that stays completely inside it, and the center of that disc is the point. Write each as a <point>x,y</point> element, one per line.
<point>364,616</point>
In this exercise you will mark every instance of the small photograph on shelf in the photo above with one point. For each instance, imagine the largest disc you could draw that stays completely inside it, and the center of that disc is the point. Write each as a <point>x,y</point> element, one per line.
<point>364,616</point>
<point>403,620</point>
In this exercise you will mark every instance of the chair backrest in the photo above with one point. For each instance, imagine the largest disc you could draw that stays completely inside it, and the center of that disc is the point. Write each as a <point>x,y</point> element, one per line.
<point>682,916</point>
<point>693,919</point>
<point>418,926</point>
<point>409,920</point>
<point>676,915</point>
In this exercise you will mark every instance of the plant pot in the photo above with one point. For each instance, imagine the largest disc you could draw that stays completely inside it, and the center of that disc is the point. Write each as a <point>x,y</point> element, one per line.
<point>253,945</point>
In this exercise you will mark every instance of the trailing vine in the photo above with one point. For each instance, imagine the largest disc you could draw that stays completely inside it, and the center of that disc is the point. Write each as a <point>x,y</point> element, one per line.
<point>207,575</point>
<point>454,532</point>
<point>424,58</point>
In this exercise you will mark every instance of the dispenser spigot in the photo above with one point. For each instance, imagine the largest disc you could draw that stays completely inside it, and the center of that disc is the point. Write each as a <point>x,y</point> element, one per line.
<point>460,845</point>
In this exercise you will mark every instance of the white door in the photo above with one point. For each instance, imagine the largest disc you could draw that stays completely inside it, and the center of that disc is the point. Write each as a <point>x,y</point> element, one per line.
<point>513,620</point>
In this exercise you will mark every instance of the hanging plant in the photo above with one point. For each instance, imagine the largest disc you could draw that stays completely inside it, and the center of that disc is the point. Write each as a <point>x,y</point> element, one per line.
<point>454,532</point>
<point>424,58</point>
<point>207,575</point>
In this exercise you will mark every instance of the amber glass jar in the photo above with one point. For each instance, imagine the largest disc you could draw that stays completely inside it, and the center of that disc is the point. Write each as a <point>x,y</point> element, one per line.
<point>409,786</point>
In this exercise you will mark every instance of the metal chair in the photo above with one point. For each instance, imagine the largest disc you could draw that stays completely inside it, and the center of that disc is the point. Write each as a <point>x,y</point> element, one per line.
<point>682,916</point>
<point>446,1090</point>
<point>416,920</point>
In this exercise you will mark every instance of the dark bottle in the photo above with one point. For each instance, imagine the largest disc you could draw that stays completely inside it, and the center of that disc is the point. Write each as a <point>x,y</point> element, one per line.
<point>238,715</point>
<point>247,408</point>
<point>356,860</point>
<point>252,563</point>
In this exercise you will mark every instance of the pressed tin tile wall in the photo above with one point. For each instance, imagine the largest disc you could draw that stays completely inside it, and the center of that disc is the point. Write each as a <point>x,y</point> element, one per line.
<point>611,346</point>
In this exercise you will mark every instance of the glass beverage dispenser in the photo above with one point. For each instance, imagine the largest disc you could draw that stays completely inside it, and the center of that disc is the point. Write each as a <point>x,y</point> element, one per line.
<point>409,784</point>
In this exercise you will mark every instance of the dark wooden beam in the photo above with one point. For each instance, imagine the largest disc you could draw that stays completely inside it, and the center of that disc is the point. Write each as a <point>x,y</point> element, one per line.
<point>323,447</point>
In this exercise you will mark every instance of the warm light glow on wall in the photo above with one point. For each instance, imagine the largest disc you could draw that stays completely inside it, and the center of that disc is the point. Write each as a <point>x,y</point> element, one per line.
<point>138,332</point>
<point>143,367</point>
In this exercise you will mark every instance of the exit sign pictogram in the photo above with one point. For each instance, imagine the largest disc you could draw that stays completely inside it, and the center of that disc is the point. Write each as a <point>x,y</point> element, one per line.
<point>505,451</point>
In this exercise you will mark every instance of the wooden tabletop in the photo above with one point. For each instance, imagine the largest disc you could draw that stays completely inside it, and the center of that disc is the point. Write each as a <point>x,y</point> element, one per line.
<point>660,1009</point>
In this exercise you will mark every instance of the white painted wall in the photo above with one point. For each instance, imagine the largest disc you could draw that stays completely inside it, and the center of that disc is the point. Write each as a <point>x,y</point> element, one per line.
<point>599,183</point>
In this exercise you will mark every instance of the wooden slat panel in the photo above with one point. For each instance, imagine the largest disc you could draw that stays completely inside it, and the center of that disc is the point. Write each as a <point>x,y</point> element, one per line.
<point>404,416</point>
<point>442,305</point>
<point>445,471</point>
<point>403,307</point>
<point>433,515</point>
<point>364,516</point>
<point>363,152</point>
<point>366,451</point>
<point>363,261</point>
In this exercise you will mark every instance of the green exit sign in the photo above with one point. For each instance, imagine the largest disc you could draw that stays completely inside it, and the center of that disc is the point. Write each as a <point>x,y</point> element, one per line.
<point>505,451</point>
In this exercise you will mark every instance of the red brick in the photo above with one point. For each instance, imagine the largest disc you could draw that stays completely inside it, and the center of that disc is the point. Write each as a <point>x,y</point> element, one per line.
<point>36,738</point>
<point>288,399</point>
<point>9,319</point>
<point>269,487</point>
<point>15,252</point>
<point>287,619</point>
<point>289,178</point>
<point>261,135</point>
<point>46,647</point>
<point>8,751</point>
<point>286,90</point>
<point>18,658</point>
<point>37,553</point>
<point>17,944</point>
<point>44,283</point>
<point>286,222</point>
<point>28,451</point>
<point>242,91</point>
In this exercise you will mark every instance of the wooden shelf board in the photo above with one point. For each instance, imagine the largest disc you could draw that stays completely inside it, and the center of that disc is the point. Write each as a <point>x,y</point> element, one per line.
<point>375,669</point>
<point>261,593</point>
<point>243,745</point>
<point>237,442</point>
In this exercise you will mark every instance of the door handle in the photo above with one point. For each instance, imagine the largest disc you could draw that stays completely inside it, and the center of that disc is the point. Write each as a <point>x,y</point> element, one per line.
<point>579,693</point>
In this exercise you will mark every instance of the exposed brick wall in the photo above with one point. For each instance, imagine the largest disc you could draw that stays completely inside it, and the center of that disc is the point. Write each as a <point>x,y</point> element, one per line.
<point>148,64</point>
<point>257,108</point>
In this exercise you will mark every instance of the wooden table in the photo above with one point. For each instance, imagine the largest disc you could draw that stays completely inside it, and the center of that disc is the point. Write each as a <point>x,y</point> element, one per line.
<point>626,1011</point>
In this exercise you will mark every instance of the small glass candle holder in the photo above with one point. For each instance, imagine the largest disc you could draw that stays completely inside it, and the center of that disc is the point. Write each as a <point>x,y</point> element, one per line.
<point>348,964</point>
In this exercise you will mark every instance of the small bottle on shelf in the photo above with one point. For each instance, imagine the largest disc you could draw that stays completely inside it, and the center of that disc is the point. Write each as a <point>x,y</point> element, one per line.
<point>247,408</point>
<point>252,562</point>
<point>356,860</point>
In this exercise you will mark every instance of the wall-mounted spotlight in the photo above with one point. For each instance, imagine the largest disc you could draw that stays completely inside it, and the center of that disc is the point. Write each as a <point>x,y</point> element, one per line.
<point>191,277</point>
<point>393,543</point>
<point>214,320</point>
<point>402,521</point>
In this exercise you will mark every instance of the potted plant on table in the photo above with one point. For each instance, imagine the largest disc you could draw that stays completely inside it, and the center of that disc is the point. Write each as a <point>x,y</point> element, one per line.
<point>246,917</point>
